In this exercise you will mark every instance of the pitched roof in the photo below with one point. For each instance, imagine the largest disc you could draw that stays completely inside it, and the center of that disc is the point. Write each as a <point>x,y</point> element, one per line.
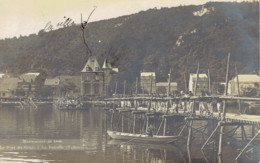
<point>106,65</point>
<point>2,75</point>
<point>247,78</point>
<point>91,65</point>
<point>28,77</point>
<point>115,69</point>
<point>52,82</point>
<point>8,84</point>
<point>147,73</point>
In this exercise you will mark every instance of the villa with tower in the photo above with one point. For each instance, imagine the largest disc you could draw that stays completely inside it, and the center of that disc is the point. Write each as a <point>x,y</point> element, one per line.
<point>96,81</point>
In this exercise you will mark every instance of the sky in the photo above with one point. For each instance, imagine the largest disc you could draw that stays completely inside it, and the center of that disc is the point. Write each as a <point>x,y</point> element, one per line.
<point>24,17</point>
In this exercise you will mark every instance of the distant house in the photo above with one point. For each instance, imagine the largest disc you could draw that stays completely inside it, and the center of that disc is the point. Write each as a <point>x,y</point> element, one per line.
<point>96,81</point>
<point>202,84</point>
<point>246,82</point>
<point>52,82</point>
<point>162,87</point>
<point>27,85</point>
<point>2,76</point>
<point>147,82</point>
<point>51,87</point>
<point>8,87</point>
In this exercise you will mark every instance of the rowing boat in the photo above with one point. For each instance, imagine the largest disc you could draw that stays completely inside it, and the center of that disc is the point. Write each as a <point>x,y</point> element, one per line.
<point>142,137</point>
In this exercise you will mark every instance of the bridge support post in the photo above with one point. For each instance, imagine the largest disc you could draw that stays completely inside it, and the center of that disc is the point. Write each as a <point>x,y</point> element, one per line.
<point>189,140</point>
<point>247,145</point>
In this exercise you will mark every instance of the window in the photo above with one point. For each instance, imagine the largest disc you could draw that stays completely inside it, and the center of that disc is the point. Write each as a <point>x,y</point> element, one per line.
<point>87,88</point>
<point>96,88</point>
<point>96,68</point>
<point>97,77</point>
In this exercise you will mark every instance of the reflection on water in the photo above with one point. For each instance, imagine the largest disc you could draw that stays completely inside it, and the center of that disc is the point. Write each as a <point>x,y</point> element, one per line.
<point>47,134</point>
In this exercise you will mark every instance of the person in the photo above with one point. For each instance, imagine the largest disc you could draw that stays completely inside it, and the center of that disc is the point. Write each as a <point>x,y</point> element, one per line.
<point>219,107</point>
<point>150,132</point>
<point>202,108</point>
<point>210,107</point>
<point>175,107</point>
<point>190,106</point>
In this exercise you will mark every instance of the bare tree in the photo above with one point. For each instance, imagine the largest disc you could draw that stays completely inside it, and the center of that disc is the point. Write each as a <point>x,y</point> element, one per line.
<point>83,26</point>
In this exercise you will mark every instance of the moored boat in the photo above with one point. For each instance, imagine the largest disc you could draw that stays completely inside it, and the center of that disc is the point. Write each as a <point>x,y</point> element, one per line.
<point>142,137</point>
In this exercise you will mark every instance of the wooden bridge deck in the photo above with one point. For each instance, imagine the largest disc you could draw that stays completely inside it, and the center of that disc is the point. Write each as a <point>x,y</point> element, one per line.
<point>230,117</point>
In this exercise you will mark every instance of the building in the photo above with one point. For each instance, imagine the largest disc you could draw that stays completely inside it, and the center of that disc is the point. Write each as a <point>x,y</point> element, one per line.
<point>96,81</point>
<point>51,87</point>
<point>148,82</point>
<point>2,76</point>
<point>202,84</point>
<point>162,87</point>
<point>27,84</point>
<point>246,82</point>
<point>8,87</point>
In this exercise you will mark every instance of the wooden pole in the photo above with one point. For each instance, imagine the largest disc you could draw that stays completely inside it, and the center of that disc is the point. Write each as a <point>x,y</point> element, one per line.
<point>124,95</point>
<point>169,91</point>
<point>116,89</point>
<point>238,91</point>
<point>136,86</point>
<point>169,84</point>
<point>189,139</point>
<point>209,81</point>
<point>136,91</point>
<point>196,83</point>
<point>185,82</point>
<point>151,86</point>
<point>134,125</point>
<point>191,121</point>
<point>147,123</point>
<point>223,115</point>
<point>112,116</point>
<point>164,126</point>
<point>122,122</point>
<point>150,94</point>
<point>115,95</point>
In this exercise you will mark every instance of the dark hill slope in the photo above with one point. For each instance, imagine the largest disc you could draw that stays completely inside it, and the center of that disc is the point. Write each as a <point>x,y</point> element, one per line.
<point>153,40</point>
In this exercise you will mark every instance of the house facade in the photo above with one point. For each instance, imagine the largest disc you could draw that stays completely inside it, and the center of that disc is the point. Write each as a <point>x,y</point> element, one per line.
<point>95,81</point>
<point>51,87</point>
<point>27,84</point>
<point>148,82</point>
<point>246,83</point>
<point>8,87</point>
<point>202,84</point>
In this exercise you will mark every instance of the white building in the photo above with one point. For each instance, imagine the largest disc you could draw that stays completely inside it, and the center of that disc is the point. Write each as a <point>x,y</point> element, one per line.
<point>202,85</point>
<point>245,81</point>
<point>148,79</point>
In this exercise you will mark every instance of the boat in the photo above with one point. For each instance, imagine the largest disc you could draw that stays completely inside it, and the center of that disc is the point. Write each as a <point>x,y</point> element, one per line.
<point>141,137</point>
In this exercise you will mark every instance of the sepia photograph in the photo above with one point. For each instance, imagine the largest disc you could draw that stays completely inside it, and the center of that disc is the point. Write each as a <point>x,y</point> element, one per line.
<point>129,81</point>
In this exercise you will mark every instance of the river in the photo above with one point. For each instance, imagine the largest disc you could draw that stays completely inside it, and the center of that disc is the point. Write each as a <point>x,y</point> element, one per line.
<point>47,134</point>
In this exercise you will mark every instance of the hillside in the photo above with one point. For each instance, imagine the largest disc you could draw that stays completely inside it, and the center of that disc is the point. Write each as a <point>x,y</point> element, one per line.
<point>153,40</point>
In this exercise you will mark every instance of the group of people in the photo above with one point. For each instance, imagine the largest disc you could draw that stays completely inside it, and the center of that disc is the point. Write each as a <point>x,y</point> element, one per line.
<point>72,102</point>
<point>206,105</point>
